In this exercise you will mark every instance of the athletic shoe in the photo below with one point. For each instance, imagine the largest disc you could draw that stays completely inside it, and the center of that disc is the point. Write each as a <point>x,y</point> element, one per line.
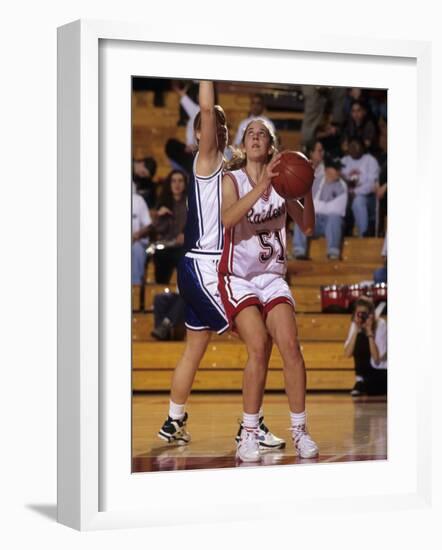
<point>304,444</point>
<point>247,449</point>
<point>266,439</point>
<point>358,389</point>
<point>174,431</point>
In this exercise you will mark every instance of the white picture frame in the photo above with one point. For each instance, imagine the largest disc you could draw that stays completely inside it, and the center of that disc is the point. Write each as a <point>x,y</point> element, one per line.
<point>85,462</point>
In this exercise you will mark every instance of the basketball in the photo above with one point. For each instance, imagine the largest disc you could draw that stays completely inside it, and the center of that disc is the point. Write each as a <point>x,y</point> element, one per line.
<point>295,177</point>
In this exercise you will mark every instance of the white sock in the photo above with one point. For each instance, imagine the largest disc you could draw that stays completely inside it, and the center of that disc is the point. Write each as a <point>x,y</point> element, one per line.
<point>176,411</point>
<point>359,378</point>
<point>261,412</point>
<point>298,419</point>
<point>250,421</point>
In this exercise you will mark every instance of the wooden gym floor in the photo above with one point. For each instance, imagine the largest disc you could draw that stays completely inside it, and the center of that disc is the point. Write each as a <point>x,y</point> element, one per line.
<point>346,430</point>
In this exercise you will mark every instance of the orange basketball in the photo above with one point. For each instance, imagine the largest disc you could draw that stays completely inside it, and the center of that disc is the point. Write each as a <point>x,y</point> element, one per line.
<point>295,177</point>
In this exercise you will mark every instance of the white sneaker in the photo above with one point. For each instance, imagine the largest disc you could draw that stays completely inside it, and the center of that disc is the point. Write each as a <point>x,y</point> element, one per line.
<point>266,439</point>
<point>304,444</point>
<point>247,449</point>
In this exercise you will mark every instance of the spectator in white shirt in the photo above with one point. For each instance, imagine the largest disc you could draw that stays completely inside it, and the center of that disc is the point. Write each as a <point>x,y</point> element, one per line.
<point>141,222</point>
<point>367,344</point>
<point>257,108</point>
<point>361,172</point>
<point>330,201</point>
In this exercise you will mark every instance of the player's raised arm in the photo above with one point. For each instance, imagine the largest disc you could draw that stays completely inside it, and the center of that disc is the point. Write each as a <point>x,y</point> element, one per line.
<point>209,155</point>
<point>303,216</point>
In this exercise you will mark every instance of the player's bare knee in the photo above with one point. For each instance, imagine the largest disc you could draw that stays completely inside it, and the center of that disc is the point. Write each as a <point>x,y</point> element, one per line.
<point>258,352</point>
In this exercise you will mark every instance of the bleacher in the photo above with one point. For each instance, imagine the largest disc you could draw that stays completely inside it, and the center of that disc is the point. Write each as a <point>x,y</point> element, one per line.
<point>153,126</point>
<point>321,335</point>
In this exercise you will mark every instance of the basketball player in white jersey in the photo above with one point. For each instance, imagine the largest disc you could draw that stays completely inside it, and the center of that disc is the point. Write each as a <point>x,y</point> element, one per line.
<point>197,272</point>
<point>255,294</point>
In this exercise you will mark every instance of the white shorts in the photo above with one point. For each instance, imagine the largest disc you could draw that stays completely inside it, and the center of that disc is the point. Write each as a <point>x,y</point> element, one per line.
<point>265,291</point>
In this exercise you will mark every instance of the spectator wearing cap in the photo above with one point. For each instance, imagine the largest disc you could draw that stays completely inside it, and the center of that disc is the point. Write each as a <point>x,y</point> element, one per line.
<point>361,173</point>
<point>330,201</point>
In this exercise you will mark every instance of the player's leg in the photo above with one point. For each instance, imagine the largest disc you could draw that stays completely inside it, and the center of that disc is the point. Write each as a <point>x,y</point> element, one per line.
<point>185,370</point>
<point>266,438</point>
<point>282,327</point>
<point>252,331</point>
<point>203,314</point>
<point>174,427</point>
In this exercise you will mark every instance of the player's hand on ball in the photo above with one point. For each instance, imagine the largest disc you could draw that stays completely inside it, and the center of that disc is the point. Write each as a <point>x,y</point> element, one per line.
<point>272,167</point>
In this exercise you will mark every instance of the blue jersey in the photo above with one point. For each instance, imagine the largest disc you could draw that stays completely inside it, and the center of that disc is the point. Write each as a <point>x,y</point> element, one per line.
<point>203,232</point>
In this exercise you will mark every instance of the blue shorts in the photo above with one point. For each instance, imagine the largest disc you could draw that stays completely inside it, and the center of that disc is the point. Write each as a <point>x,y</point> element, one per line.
<point>198,286</point>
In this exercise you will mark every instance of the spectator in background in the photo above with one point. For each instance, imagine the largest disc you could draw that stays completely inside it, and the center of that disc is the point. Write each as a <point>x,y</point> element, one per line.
<point>317,101</point>
<point>361,172</point>
<point>141,226</point>
<point>143,172</point>
<point>360,125</point>
<point>315,152</point>
<point>329,133</point>
<point>367,344</point>
<point>181,154</point>
<point>330,201</point>
<point>375,100</point>
<point>170,219</point>
<point>353,94</point>
<point>257,108</point>
<point>381,186</point>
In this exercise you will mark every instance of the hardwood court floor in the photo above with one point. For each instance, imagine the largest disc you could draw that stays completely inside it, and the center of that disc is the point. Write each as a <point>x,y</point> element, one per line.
<point>345,429</point>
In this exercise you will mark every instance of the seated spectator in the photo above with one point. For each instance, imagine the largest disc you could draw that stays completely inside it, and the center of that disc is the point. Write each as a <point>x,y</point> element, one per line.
<point>367,344</point>
<point>257,108</point>
<point>318,101</point>
<point>360,125</point>
<point>330,200</point>
<point>141,226</point>
<point>170,219</point>
<point>381,187</point>
<point>353,94</point>
<point>361,172</point>
<point>181,154</point>
<point>315,152</point>
<point>329,133</point>
<point>143,172</point>
<point>169,310</point>
<point>380,275</point>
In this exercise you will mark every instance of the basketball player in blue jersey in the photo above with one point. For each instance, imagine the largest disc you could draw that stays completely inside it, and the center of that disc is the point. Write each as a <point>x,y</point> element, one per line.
<point>256,296</point>
<point>197,271</point>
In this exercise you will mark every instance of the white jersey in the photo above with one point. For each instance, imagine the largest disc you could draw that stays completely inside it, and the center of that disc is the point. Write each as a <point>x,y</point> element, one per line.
<point>257,244</point>
<point>203,232</point>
